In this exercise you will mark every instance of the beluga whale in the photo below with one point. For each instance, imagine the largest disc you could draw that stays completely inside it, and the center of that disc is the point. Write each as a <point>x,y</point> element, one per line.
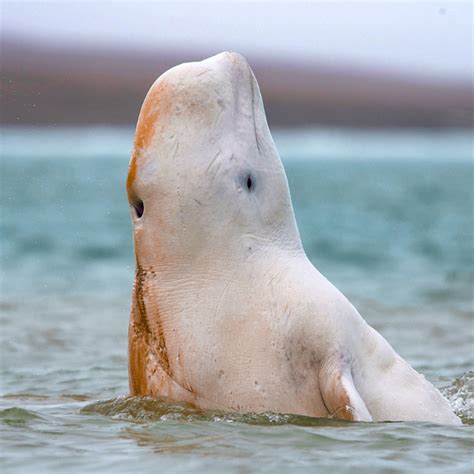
<point>227,310</point>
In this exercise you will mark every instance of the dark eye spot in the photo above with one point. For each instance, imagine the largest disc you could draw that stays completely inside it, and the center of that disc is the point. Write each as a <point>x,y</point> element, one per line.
<point>138,207</point>
<point>249,182</point>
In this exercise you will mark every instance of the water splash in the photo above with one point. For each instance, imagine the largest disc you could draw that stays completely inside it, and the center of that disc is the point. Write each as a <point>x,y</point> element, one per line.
<point>460,395</point>
<point>147,409</point>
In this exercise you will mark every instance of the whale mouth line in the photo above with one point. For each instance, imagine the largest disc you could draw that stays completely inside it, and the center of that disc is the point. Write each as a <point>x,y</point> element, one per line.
<point>253,112</point>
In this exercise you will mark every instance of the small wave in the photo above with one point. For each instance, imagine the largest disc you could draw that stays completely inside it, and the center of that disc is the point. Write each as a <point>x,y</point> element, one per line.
<point>460,395</point>
<point>139,409</point>
<point>35,397</point>
<point>147,409</point>
<point>17,416</point>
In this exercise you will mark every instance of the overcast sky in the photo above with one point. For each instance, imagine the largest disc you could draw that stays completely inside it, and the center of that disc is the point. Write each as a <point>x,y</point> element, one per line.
<point>417,37</point>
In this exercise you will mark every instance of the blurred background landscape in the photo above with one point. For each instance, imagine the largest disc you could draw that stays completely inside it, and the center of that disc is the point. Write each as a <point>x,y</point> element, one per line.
<point>371,108</point>
<point>357,64</point>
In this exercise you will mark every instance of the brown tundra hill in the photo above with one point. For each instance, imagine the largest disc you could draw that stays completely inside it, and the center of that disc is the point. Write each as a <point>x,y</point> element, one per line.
<point>45,84</point>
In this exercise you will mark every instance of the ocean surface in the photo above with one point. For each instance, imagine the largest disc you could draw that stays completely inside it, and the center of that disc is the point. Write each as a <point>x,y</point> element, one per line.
<point>386,216</point>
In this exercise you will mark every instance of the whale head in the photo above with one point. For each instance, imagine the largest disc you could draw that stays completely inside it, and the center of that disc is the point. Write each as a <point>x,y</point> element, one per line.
<point>205,175</point>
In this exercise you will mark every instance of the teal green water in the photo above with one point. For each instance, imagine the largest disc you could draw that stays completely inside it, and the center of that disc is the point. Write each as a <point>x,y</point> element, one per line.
<point>387,217</point>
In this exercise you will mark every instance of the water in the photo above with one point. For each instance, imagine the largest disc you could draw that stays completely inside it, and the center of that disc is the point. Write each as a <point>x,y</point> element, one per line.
<point>388,217</point>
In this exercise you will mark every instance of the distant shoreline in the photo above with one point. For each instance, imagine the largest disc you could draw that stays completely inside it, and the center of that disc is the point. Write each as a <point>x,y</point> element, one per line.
<point>58,85</point>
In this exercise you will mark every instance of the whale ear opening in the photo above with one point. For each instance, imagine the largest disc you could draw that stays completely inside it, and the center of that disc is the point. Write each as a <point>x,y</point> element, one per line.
<point>246,181</point>
<point>249,182</point>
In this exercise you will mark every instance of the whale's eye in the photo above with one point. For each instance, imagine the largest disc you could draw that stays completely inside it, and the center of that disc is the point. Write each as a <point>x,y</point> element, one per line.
<point>249,182</point>
<point>138,207</point>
